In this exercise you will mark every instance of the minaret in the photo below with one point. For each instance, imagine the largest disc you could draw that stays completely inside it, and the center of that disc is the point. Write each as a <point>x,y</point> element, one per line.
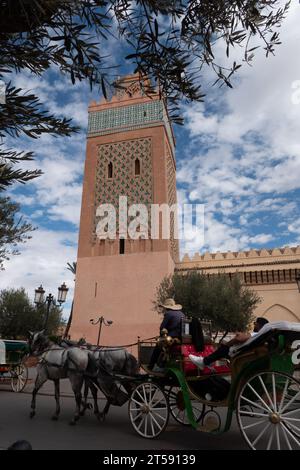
<point>130,152</point>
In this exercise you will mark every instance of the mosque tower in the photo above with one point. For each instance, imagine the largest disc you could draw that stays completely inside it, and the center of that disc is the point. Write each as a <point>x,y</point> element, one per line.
<point>130,152</point>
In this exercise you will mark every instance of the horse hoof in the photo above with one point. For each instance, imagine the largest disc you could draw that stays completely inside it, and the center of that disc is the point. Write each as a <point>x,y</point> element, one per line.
<point>82,413</point>
<point>54,418</point>
<point>89,406</point>
<point>101,417</point>
<point>32,413</point>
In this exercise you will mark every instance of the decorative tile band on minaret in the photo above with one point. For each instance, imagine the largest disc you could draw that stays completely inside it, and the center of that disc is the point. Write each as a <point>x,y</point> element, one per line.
<point>131,116</point>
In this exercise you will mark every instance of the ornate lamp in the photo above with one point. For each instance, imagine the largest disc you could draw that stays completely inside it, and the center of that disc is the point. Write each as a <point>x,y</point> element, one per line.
<point>62,293</point>
<point>99,321</point>
<point>39,295</point>
<point>39,299</point>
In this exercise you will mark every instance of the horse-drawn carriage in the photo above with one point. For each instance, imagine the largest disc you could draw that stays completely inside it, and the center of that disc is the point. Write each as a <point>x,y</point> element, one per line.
<point>258,384</point>
<point>12,367</point>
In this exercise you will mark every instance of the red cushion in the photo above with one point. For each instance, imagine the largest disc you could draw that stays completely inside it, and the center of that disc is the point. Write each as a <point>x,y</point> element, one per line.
<point>191,369</point>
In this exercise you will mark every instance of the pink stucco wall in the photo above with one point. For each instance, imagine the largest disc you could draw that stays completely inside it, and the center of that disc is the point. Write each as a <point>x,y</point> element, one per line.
<point>121,288</point>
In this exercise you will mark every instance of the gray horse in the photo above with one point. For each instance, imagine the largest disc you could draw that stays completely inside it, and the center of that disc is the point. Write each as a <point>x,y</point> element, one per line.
<point>59,363</point>
<point>110,363</point>
<point>90,365</point>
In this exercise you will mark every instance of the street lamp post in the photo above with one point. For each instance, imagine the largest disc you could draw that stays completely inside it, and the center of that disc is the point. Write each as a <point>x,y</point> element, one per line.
<point>39,299</point>
<point>100,321</point>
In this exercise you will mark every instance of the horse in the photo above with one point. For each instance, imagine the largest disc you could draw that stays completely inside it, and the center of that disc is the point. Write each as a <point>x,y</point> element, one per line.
<point>59,363</point>
<point>110,362</point>
<point>91,365</point>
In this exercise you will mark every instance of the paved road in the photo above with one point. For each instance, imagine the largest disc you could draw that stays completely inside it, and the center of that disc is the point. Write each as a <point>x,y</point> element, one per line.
<point>115,433</point>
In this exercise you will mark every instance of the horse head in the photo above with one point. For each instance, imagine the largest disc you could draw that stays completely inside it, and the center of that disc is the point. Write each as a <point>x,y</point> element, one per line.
<point>38,342</point>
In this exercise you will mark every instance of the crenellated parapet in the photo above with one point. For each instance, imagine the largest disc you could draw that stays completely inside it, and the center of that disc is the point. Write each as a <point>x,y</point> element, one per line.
<point>241,260</point>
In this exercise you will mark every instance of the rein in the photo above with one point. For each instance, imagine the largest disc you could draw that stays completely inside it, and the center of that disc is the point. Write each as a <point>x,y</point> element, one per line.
<point>113,348</point>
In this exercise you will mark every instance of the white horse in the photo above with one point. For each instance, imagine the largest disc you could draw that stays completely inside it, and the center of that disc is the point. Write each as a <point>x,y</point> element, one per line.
<point>96,367</point>
<point>58,363</point>
<point>111,362</point>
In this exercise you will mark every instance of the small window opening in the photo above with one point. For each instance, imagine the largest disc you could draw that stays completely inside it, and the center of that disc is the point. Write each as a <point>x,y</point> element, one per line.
<point>110,170</point>
<point>137,167</point>
<point>122,246</point>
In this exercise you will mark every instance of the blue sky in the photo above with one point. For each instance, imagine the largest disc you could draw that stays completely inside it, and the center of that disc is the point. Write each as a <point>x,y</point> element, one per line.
<point>238,154</point>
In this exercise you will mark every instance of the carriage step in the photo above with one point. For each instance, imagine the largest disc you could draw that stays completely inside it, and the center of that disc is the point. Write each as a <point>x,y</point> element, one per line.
<point>211,425</point>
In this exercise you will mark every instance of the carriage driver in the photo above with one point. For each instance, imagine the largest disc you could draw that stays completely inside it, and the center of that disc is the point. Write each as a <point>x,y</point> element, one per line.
<point>223,351</point>
<point>172,320</point>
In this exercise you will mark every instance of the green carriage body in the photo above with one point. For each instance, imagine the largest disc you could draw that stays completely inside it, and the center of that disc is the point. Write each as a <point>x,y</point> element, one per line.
<point>15,350</point>
<point>12,367</point>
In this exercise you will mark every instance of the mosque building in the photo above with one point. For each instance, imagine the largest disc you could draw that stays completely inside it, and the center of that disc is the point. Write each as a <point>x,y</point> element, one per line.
<point>131,153</point>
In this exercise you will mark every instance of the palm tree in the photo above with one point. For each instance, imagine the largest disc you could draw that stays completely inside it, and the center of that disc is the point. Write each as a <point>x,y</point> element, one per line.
<point>71,267</point>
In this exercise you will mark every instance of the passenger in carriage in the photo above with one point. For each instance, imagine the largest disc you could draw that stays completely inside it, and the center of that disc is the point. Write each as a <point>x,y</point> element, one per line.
<point>172,320</point>
<point>223,351</point>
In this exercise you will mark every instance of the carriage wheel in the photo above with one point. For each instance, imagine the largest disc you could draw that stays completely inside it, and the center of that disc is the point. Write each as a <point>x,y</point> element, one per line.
<point>148,410</point>
<point>19,377</point>
<point>274,419</point>
<point>178,409</point>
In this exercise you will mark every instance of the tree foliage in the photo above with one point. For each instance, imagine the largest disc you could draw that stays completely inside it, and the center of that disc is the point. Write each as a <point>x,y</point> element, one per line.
<point>169,41</point>
<point>224,301</point>
<point>13,229</point>
<point>18,315</point>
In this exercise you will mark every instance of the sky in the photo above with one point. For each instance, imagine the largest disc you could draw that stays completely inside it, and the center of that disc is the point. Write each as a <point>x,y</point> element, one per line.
<point>238,153</point>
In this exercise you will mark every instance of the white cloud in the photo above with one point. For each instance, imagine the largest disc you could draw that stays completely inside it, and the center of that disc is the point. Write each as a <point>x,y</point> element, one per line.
<point>43,259</point>
<point>244,155</point>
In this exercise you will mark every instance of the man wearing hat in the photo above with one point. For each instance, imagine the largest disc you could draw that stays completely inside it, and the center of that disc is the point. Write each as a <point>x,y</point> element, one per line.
<point>172,320</point>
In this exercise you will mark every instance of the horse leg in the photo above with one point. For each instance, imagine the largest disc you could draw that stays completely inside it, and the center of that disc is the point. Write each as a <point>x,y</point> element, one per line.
<point>57,410</point>
<point>85,404</point>
<point>76,382</point>
<point>102,414</point>
<point>41,378</point>
<point>94,391</point>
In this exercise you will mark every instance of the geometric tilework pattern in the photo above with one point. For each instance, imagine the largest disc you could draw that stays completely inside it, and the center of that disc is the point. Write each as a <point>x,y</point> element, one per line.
<point>116,118</point>
<point>122,155</point>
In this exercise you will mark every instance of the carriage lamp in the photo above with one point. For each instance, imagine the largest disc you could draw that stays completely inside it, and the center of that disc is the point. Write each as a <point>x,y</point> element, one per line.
<point>99,321</point>
<point>39,299</point>
<point>298,280</point>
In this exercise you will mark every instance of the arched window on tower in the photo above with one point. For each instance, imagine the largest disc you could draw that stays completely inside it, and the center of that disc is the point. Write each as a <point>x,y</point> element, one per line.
<point>137,167</point>
<point>122,246</point>
<point>110,170</point>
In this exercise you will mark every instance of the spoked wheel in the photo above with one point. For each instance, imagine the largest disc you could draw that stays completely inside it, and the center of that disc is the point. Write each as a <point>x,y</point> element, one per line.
<point>148,410</point>
<point>274,419</point>
<point>19,377</point>
<point>178,409</point>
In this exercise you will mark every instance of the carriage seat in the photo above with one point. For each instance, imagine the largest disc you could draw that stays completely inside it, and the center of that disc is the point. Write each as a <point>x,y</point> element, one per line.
<point>191,369</point>
<point>271,330</point>
<point>195,342</point>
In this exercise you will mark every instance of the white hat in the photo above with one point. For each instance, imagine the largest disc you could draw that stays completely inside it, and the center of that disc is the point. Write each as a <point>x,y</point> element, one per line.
<point>171,305</point>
